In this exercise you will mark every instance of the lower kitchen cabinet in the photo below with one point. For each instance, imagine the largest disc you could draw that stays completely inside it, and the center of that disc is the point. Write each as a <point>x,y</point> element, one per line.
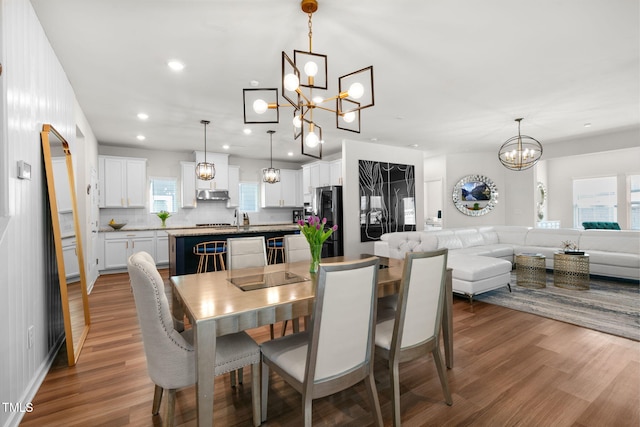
<point>162,248</point>
<point>119,246</point>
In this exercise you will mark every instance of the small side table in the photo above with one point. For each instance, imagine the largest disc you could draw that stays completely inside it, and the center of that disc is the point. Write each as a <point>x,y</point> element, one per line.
<point>531,271</point>
<point>571,271</point>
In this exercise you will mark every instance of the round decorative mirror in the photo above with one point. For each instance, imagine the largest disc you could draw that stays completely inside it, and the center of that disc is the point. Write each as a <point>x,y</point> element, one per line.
<point>475,195</point>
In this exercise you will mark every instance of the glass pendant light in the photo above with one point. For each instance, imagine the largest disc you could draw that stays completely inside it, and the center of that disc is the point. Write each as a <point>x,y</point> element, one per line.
<point>271,175</point>
<point>205,171</point>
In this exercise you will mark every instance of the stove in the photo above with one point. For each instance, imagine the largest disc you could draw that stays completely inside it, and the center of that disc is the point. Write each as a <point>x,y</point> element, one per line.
<point>215,224</point>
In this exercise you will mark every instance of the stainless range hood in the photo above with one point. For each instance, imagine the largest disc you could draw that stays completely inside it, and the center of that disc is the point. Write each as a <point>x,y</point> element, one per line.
<point>212,195</point>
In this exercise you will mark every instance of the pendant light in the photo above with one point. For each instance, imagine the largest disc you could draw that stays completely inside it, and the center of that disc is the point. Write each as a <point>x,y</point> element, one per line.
<point>205,171</point>
<point>520,152</point>
<point>271,175</point>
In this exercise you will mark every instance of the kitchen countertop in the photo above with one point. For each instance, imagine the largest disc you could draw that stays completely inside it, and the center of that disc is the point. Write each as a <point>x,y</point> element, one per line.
<point>192,230</point>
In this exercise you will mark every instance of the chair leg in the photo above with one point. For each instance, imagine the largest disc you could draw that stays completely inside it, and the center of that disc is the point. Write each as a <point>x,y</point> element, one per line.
<point>307,412</point>
<point>232,378</point>
<point>264,390</point>
<point>443,375</point>
<point>240,375</point>
<point>255,393</point>
<point>370,382</point>
<point>284,327</point>
<point>395,393</point>
<point>271,332</point>
<point>169,421</point>
<point>157,398</point>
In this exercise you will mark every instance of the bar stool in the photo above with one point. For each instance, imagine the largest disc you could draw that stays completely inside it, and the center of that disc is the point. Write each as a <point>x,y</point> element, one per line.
<point>275,246</point>
<point>216,249</point>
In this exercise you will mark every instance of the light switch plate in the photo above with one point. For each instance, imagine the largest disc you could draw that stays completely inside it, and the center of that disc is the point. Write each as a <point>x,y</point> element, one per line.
<point>24,170</point>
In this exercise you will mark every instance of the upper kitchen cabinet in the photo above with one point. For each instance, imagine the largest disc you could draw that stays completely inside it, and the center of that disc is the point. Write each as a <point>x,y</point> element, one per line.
<point>123,182</point>
<point>314,175</point>
<point>335,172</point>
<point>188,182</point>
<point>221,179</point>
<point>284,193</point>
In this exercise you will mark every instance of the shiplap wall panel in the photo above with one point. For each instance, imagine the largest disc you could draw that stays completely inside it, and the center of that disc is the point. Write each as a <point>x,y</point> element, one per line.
<point>36,91</point>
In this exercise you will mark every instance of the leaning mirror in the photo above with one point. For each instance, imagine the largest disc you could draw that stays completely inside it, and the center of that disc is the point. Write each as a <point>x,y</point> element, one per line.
<point>67,240</point>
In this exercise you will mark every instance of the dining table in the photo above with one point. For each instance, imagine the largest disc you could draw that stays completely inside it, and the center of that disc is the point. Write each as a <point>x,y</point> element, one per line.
<point>224,302</point>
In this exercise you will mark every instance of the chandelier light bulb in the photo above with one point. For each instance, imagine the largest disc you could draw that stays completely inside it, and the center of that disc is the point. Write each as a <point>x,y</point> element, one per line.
<point>260,106</point>
<point>297,123</point>
<point>291,82</point>
<point>311,69</point>
<point>318,100</point>
<point>349,117</point>
<point>356,90</point>
<point>311,140</point>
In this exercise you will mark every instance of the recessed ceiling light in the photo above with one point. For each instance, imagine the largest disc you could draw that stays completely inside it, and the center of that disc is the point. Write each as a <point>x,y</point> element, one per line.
<point>247,131</point>
<point>143,116</point>
<point>254,83</point>
<point>290,153</point>
<point>141,137</point>
<point>413,145</point>
<point>176,65</point>
<point>225,146</point>
<point>374,139</point>
<point>587,125</point>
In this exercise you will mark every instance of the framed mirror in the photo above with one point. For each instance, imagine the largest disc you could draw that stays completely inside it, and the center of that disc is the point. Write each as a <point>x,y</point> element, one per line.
<point>67,240</point>
<point>541,198</point>
<point>475,195</point>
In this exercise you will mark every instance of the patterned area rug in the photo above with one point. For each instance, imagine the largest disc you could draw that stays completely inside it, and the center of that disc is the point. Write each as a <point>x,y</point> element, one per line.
<point>608,306</point>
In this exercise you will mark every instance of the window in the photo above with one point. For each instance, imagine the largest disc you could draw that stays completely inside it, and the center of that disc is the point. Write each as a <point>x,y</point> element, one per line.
<point>163,195</point>
<point>634,200</point>
<point>594,199</point>
<point>249,196</point>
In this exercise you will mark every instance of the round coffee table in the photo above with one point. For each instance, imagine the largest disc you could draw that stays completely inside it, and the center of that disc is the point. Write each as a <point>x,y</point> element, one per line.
<point>571,271</point>
<point>531,271</point>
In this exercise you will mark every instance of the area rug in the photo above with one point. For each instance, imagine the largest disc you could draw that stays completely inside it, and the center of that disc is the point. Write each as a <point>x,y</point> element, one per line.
<point>608,306</point>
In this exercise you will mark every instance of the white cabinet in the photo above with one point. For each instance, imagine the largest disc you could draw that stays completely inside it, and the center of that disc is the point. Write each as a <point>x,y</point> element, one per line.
<point>188,181</point>
<point>335,172</point>
<point>119,246</point>
<point>284,193</point>
<point>314,175</point>
<point>221,179</point>
<point>123,182</point>
<point>162,248</point>
<point>234,187</point>
<point>70,256</point>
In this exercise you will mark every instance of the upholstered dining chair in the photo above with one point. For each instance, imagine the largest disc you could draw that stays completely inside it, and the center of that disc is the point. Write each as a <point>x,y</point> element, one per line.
<point>296,248</point>
<point>337,350</point>
<point>246,252</point>
<point>170,353</point>
<point>415,329</point>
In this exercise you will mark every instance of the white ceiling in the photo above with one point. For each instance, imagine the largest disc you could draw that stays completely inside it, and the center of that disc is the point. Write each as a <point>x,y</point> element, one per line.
<point>450,75</point>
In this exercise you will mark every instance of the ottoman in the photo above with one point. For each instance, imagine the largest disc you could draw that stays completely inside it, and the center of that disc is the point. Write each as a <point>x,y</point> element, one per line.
<point>474,274</point>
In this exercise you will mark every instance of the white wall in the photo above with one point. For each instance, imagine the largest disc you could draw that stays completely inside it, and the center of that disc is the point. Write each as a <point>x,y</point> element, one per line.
<point>352,152</point>
<point>36,91</point>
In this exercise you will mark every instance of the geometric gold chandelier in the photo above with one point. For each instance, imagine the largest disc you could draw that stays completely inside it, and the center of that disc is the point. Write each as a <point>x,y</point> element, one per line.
<point>303,83</point>
<point>520,152</point>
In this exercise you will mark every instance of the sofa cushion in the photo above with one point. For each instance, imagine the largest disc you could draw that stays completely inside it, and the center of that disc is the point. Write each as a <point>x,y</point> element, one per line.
<point>514,235</point>
<point>449,242</point>
<point>625,241</point>
<point>473,268</point>
<point>470,238</point>
<point>552,238</point>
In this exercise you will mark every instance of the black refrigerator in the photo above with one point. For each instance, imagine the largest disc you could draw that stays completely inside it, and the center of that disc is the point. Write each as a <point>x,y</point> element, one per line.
<point>329,205</point>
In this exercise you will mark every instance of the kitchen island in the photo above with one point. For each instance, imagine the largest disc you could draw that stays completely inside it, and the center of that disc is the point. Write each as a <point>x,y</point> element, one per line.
<point>181,241</point>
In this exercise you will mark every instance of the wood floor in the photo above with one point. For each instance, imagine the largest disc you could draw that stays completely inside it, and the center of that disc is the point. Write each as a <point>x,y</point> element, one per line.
<point>511,369</point>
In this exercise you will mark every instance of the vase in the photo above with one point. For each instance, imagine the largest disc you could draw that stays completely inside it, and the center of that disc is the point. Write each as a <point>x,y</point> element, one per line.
<point>316,252</point>
<point>164,222</point>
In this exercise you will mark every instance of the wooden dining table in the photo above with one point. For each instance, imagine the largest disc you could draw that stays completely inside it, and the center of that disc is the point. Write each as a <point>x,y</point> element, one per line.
<point>224,302</point>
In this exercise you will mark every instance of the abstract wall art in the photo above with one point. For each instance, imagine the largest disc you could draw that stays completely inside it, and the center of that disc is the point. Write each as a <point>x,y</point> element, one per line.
<point>387,199</point>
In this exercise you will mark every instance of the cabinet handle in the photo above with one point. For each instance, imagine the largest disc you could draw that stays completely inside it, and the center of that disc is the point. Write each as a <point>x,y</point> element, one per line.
<point>126,245</point>
<point>133,245</point>
<point>121,201</point>
<point>128,201</point>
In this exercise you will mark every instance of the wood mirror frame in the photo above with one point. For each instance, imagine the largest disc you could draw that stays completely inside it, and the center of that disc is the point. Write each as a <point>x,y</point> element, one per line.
<point>67,240</point>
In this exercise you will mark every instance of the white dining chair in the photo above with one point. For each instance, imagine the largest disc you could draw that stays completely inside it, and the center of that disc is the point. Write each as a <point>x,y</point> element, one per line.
<point>337,350</point>
<point>170,353</point>
<point>415,329</point>
<point>246,252</point>
<point>296,248</point>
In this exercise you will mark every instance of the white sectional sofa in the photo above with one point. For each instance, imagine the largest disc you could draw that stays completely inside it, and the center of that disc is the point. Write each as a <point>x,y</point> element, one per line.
<point>481,257</point>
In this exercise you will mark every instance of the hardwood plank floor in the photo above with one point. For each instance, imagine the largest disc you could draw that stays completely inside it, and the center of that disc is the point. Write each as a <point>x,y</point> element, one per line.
<point>511,369</point>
